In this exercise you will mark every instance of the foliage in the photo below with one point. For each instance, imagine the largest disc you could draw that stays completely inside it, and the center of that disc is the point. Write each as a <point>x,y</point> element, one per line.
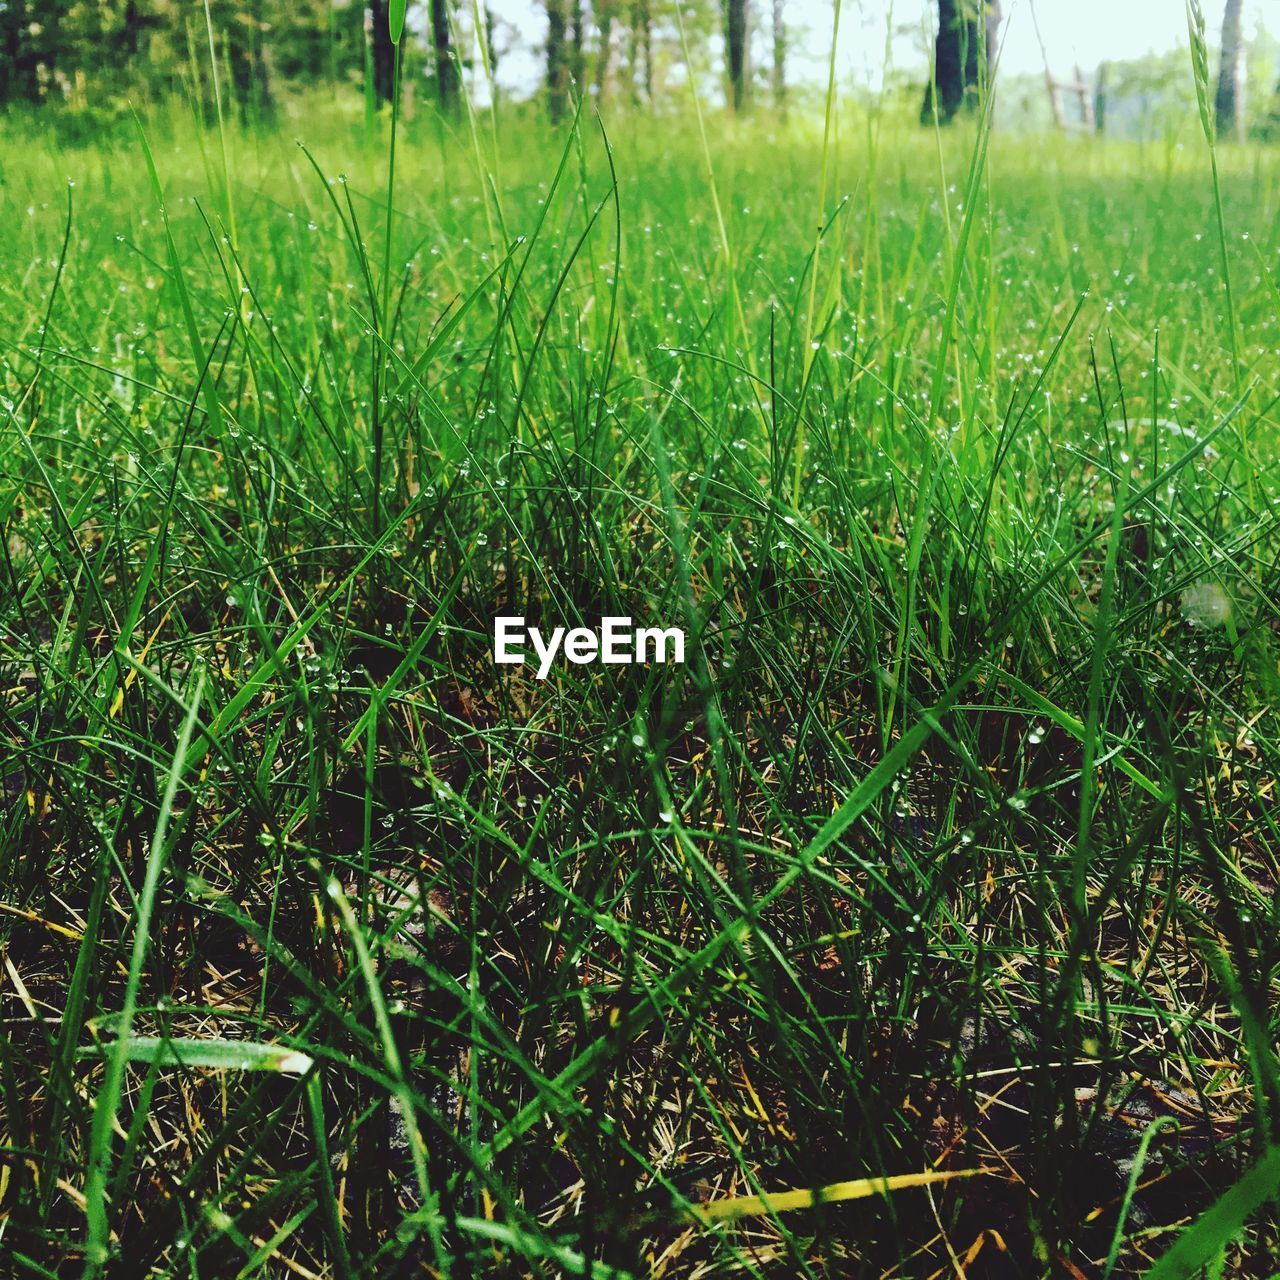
<point>91,54</point>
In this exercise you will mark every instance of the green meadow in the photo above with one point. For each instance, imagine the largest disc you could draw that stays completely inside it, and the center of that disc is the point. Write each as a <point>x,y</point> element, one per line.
<point>924,922</point>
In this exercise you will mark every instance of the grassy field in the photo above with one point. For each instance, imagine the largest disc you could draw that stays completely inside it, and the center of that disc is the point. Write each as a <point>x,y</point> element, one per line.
<point>333,949</point>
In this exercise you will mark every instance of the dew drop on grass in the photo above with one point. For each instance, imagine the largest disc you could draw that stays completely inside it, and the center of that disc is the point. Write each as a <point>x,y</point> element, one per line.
<point>665,816</point>
<point>1206,605</point>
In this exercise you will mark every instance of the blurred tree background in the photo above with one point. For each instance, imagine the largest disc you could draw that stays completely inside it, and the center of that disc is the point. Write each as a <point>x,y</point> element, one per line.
<point>99,56</point>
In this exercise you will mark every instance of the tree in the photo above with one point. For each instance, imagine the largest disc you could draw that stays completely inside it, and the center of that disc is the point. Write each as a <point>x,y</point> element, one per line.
<point>779,32</point>
<point>28,47</point>
<point>557,59</point>
<point>133,24</point>
<point>382,53</point>
<point>963,50</point>
<point>577,45</point>
<point>605,11</point>
<point>445,67</point>
<point>491,44</point>
<point>314,41</point>
<point>1227,101</point>
<point>1101,89</point>
<point>243,29</point>
<point>736,47</point>
<point>109,52</point>
<point>641,50</point>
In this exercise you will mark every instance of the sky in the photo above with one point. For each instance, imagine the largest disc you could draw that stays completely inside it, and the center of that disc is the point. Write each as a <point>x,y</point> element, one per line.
<point>1083,31</point>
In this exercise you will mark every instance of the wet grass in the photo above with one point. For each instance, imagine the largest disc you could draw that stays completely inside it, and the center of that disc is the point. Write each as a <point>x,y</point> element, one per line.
<point>333,949</point>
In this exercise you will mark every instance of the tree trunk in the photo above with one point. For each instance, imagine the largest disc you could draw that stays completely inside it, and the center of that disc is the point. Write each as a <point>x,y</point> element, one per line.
<point>640,52</point>
<point>604,53</point>
<point>490,30</point>
<point>736,45</point>
<point>556,59</point>
<point>1100,97</point>
<point>962,59</point>
<point>577,48</point>
<point>779,56</point>
<point>646,48</point>
<point>13,81</point>
<point>129,35</point>
<point>383,52</point>
<point>446,68</point>
<point>1227,103</point>
<point>246,52</point>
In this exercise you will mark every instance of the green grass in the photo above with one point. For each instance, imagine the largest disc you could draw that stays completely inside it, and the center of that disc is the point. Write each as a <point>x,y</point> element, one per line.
<point>333,949</point>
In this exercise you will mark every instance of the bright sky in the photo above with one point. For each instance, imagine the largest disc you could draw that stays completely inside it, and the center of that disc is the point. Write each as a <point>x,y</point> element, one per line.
<point>1084,31</point>
<point>1075,31</point>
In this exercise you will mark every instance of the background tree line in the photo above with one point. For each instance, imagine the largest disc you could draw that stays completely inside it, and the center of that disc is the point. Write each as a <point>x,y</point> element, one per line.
<point>94,51</point>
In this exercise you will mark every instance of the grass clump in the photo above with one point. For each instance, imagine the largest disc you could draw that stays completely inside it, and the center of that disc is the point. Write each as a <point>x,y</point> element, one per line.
<point>334,949</point>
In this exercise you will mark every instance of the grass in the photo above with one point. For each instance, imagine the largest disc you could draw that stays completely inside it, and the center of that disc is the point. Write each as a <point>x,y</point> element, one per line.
<point>332,949</point>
